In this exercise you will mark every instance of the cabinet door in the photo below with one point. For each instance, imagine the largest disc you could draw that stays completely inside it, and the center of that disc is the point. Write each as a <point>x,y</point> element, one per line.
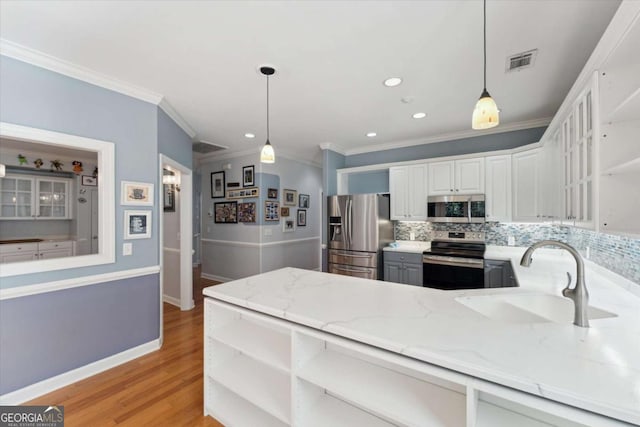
<point>55,253</point>
<point>16,197</point>
<point>469,176</point>
<point>18,256</point>
<point>53,198</point>
<point>393,272</point>
<point>498,188</point>
<point>398,181</point>
<point>417,193</point>
<point>441,178</point>
<point>526,186</point>
<point>412,274</point>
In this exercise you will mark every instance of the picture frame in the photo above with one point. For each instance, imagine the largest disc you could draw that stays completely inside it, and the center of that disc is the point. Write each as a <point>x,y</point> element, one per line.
<point>234,184</point>
<point>242,193</point>
<point>248,176</point>
<point>247,212</point>
<point>272,193</point>
<point>136,193</point>
<point>225,212</point>
<point>302,218</point>
<point>303,201</point>
<point>289,197</point>
<point>288,226</point>
<point>284,212</point>
<point>271,211</point>
<point>89,181</point>
<point>137,225</point>
<point>217,185</point>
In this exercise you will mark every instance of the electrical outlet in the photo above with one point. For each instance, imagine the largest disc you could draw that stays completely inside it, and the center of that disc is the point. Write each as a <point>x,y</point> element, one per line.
<point>412,235</point>
<point>511,241</point>
<point>127,249</point>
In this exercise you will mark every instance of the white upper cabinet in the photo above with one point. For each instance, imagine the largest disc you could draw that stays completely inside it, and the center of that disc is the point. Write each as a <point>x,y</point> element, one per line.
<point>526,186</point>
<point>498,188</point>
<point>456,177</point>
<point>30,197</point>
<point>408,189</point>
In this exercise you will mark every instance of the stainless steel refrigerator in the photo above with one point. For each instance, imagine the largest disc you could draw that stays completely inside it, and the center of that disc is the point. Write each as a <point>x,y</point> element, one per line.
<point>359,227</point>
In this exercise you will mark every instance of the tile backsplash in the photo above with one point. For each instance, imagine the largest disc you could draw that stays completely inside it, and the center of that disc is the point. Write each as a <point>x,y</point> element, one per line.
<point>617,253</point>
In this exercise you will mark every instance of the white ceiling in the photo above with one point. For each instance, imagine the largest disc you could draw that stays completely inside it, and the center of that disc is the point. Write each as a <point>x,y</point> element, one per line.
<point>331,59</point>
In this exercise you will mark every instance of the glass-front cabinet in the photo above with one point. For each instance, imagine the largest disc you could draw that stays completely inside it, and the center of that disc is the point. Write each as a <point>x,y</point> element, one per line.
<point>30,197</point>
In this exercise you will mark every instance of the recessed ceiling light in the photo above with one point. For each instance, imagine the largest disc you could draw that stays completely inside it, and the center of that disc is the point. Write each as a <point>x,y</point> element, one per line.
<point>419,115</point>
<point>392,81</point>
<point>371,134</point>
<point>249,135</point>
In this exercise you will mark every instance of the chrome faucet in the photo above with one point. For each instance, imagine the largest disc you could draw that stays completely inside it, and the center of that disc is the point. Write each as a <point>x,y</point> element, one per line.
<point>578,294</point>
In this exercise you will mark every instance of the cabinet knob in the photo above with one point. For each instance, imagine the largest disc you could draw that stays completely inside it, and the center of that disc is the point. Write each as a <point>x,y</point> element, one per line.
<point>451,189</point>
<point>457,189</point>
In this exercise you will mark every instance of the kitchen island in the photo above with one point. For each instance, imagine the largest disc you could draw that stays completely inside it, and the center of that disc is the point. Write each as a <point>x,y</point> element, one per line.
<point>297,347</point>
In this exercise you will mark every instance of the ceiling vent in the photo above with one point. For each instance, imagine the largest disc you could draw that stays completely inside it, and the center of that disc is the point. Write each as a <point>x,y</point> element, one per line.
<point>520,61</point>
<point>204,147</point>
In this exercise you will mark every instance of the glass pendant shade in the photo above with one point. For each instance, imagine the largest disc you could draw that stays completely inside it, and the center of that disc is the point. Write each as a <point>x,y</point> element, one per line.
<point>267,154</point>
<point>486,114</point>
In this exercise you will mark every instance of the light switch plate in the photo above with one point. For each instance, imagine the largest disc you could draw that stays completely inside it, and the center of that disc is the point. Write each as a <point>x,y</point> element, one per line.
<point>127,249</point>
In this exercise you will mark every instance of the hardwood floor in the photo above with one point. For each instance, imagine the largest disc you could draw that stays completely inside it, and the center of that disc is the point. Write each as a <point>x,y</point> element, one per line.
<point>163,388</point>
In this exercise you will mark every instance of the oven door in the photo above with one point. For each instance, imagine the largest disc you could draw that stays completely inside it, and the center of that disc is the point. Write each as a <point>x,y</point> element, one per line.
<point>451,273</point>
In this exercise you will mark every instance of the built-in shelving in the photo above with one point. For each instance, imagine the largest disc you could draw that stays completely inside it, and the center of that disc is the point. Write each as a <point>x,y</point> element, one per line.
<point>331,411</point>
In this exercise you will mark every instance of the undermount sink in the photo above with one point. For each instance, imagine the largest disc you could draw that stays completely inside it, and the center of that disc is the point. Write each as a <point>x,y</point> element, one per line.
<point>527,308</point>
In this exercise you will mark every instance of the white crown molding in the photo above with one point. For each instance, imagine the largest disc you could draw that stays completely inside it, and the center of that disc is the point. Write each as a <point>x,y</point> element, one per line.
<point>171,112</point>
<point>452,136</point>
<point>43,60</point>
<point>214,157</point>
<point>333,147</point>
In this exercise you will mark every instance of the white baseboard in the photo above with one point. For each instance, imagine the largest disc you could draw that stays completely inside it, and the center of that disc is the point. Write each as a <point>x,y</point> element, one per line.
<point>214,277</point>
<point>171,300</point>
<point>47,386</point>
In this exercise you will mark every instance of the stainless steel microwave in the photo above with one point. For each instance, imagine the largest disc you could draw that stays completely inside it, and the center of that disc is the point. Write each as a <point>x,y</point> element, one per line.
<point>456,208</point>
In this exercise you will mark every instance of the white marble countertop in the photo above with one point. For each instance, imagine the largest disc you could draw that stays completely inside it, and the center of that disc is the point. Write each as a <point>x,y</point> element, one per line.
<point>596,368</point>
<point>408,246</point>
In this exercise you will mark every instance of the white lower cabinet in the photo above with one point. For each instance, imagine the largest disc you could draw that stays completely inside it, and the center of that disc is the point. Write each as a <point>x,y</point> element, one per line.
<point>263,371</point>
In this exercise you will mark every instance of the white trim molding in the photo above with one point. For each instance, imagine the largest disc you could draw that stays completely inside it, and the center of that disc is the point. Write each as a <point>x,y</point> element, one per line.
<point>58,285</point>
<point>171,300</point>
<point>333,147</point>
<point>50,384</point>
<point>176,117</point>
<point>256,244</point>
<point>216,278</point>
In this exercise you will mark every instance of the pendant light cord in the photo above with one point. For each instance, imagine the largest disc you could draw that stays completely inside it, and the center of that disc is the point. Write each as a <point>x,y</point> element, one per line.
<point>267,108</point>
<point>485,44</point>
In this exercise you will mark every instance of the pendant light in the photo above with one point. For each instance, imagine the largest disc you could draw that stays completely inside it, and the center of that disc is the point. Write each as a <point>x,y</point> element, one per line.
<point>267,155</point>
<point>486,114</point>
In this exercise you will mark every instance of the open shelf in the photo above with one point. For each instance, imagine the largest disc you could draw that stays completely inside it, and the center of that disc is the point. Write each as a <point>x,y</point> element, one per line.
<point>331,411</point>
<point>388,394</point>
<point>257,341</point>
<point>230,409</point>
<point>620,93</point>
<point>490,415</point>
<point>630,166</point>
<point>265,387</point>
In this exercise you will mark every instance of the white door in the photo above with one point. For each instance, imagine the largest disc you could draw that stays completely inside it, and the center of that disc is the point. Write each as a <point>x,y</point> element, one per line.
<point>398,181</point>
<point>469,176</point>
<point>526,186</point>
<point>417,197</point>
<point>441,178</point>
<point>498,188</point>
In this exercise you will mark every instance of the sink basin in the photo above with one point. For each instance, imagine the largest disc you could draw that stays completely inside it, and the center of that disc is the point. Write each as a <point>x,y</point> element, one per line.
<point>528,308</point>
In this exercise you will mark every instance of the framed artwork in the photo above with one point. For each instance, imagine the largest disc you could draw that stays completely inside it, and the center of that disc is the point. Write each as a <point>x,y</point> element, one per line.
<point>302,218</point>
<point>247,212</point>
<point>303,201</point>
<point>89,181</point>
<point>136,193</point>
<point>225,212</point>
<point>272,193</point>
<point>248,176</point>
<point>233,184</point>
<point>217,185</point>
<point>289,197</point>
<point>284,211</point>
<point>137,225</point>
<point>242,193</point>
<point>271,211</point>
<point>288,226</point>
<point>169,192</point>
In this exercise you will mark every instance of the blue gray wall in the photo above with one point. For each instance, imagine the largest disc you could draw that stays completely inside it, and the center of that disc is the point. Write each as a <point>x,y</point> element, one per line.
<point>369,182</point>
<point>47,334</point>
<point>173,141</point>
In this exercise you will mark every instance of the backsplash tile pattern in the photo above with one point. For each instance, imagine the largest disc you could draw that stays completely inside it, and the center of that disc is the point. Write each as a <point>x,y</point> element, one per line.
<point>617,253</point>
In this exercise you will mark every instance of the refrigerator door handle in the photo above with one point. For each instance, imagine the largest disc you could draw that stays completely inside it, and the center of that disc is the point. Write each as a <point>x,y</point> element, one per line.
<point>350,221</point>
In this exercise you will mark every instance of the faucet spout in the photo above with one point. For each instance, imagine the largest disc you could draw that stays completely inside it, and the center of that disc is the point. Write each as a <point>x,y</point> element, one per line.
<point>579,294</point>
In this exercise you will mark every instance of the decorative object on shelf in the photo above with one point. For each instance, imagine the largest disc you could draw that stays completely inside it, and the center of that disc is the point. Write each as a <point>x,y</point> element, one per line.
<point>136,193</point>
<point>137,225</point>
<point>267,155</point>
<point>22,160</point>
<point>247,212</point>
<point>288,226</point>
<point>486,114</point>
<point>89,181</point>
<point>271,211</point>
<point>242,193</point>
<point>272,193</point>
<point>248,176</point>
<point>77,167</point>
<point>217,185</point>
<point>302,218</point>
<point>38,163</point>
<point>284,211</point>
<point>95,172</point>
<point>56,164</point>
<point>233,184</point>
<point>226,212</point>
<point>289,197</point>
<point>303,201</point>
